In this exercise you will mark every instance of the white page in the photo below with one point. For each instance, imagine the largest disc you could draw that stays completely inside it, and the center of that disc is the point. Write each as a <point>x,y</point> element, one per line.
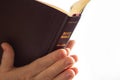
<point>63,4</point>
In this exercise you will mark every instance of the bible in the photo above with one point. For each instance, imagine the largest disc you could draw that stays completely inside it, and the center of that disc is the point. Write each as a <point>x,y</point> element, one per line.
<point>34,28</point>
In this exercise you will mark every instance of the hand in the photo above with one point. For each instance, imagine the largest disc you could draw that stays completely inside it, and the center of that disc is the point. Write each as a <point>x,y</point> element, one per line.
<point>55,66</point>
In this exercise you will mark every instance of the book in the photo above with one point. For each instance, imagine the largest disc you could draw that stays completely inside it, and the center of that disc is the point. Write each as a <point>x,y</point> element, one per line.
<point>35,28</point>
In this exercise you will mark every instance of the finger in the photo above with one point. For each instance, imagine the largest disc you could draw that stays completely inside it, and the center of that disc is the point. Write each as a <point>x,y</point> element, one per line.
<point>75,57</point>
<point>70,44</point>
<point>42,63</point>
<point>56,68</point>
<point>67,74</point>
<point>7,57</point>
<point>75,70</point>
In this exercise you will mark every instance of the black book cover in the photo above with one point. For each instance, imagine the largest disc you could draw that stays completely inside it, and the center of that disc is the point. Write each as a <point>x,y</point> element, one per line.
<point>33,29</point>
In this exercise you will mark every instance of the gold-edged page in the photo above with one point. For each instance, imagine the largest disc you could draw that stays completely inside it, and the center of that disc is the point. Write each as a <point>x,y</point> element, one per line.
<point>78,7</point>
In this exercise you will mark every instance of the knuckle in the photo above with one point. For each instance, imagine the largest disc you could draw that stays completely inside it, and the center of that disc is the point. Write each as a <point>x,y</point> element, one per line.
<point>26,76</point>
<point>47,78</point>
<point>59,54</point>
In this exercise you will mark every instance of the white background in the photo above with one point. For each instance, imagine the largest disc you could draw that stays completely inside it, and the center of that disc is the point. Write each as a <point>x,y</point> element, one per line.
<point>97,40</point>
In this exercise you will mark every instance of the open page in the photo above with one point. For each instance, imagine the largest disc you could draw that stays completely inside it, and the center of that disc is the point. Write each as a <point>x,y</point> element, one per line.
<point>59,3</point>
<point>72,7</point>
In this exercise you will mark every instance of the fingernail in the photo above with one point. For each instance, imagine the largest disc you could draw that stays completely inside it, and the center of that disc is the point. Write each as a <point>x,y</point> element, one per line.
<point>75,70</point>
<point>74,57</point>
<point>69,62</point>
<point>67,50</point>
<point>3,45</point>
<point>62,53</point>
<point>70,74</point>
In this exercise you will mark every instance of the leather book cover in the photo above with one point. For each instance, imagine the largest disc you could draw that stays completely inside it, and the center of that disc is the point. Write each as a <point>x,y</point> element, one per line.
<point>32,28</point>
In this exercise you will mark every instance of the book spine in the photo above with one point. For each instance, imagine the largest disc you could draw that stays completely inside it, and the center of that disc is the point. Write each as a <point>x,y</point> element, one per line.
<point>67,31</point>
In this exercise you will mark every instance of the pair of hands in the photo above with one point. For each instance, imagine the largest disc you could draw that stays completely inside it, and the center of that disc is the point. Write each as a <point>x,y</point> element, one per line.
<point>57,65</point>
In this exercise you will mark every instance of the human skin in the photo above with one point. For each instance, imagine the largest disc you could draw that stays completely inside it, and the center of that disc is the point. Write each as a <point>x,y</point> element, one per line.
<point>57,65</point>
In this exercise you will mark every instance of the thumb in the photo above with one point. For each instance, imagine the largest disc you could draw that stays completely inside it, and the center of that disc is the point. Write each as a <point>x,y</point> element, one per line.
<point>7,57</point>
